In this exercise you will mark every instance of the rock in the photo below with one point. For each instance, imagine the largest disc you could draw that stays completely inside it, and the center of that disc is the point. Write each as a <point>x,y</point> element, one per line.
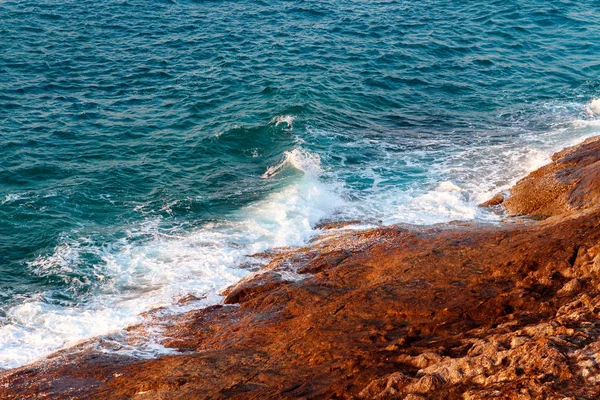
<point>386,388</point>
<point>327,225</point>
<point>249,288</point>
<point>494,201</point>
<point>441,312</point>
<point>567,184</point>
<point>189,298</point>
<point>573,286</point>
<point>324,261</point>
<point>427,384</point>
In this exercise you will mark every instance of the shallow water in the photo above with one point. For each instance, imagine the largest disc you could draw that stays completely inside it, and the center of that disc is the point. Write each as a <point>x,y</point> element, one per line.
<point>147,147</point>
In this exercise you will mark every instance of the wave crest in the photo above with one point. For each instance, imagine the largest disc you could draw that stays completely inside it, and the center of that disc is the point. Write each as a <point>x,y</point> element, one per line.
<point>300,159</point>
<point>595,106</point>
<point>284,119</point>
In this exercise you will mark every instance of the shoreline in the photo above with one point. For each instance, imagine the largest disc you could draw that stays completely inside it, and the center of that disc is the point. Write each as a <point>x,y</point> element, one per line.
<point>455,311</point>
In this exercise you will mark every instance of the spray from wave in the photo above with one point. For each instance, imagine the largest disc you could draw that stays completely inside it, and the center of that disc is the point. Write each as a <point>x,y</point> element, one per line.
<point>448,181</point>
<point>136,274</point>
<point>150,267</point>
<point>299,159</point>
<point>595,106</point>
<point>284,119</point>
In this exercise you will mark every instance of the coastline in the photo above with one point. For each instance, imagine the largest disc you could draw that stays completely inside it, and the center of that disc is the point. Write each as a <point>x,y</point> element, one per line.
<point>446,311</point>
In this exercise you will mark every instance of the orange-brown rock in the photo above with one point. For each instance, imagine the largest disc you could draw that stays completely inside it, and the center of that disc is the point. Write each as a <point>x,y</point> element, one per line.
<point>494,201</point>
<point>569,183</point>
<point>504,311</point>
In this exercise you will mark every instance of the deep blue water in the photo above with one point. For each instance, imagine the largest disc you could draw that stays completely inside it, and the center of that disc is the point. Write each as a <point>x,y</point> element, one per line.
<point>147,146</point>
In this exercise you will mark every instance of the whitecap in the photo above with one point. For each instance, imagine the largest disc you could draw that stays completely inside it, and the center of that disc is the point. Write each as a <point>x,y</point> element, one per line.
<point>149,268</point>
<point>595,106</point>
<point>284,119</point>
<point>11,197</point>
<point>299,159</point>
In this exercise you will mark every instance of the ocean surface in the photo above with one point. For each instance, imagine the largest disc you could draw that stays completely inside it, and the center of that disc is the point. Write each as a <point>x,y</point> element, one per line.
<point>148,146</point>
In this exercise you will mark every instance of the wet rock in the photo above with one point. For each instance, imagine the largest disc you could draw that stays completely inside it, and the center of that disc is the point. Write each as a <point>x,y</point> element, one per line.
<point>565,185</point>
<point>439,312</point>
<point>494,201</point>
<point>249,288</point>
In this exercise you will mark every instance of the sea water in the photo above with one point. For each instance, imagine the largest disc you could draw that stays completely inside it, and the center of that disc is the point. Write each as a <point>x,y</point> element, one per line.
<point>148,147</point>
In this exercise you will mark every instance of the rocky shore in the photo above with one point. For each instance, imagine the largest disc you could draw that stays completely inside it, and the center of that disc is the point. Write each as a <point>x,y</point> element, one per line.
<point>473,311</point>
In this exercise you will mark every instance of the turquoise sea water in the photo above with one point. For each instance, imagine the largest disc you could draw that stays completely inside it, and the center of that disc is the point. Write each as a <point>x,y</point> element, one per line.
<point>147,147</point>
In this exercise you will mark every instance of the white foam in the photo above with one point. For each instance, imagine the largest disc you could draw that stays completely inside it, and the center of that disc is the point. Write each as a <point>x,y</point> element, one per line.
<point>152,268</point>
<point>595,106</point>
<point>583,124</point>
<point>137,274</point>
<point>299,159</point>
<point>444,203</point>
<point>284,119</point>
<point>457,178</point>
<point>12,197</point>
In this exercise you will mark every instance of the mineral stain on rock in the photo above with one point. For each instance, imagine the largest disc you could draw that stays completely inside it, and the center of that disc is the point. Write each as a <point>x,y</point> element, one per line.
<point>505,311</point>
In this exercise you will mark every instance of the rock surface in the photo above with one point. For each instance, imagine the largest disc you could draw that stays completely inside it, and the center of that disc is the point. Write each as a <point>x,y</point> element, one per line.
<point>456,311</point>
<point>570,182</point>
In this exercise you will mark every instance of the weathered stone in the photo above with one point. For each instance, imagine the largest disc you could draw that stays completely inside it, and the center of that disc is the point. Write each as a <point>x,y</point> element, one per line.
<point>441,312</point>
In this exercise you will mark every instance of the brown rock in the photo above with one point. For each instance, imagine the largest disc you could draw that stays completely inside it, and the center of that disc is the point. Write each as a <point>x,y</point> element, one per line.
<point>573,286</point>
<point>324,261</point>
<point>494,201</point>
<point>389,387</point>
<point>568,183</point>
<point>249,288</point>
<point>442,312</point>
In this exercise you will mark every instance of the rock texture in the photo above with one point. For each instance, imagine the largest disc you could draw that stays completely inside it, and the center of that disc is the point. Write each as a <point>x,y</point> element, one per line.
<point>456,311</point>
<point>569,183</point>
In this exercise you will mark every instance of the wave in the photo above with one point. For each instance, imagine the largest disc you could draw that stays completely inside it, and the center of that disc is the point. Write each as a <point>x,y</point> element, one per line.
<point>137,275</point>
<point>595,106</point>
<point>441,181</point>
<point>299,159</point>
<point>372,180</point>
<point>11,197</point>
<point>284,119</point>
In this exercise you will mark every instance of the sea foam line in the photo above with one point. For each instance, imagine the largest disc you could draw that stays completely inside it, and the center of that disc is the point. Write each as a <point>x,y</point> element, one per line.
<point>138,276</point>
